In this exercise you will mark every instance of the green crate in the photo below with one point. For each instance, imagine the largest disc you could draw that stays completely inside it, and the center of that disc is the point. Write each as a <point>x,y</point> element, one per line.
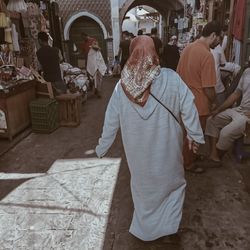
<point>44,115</point>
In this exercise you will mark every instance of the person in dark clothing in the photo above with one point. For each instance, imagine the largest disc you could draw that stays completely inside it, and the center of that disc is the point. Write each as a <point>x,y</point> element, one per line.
<point>140,33</point>
<point>131,36</point>
<point>171,54</point>
<point>157,41</point>
<point>124,48</point>
<point>49,60</point>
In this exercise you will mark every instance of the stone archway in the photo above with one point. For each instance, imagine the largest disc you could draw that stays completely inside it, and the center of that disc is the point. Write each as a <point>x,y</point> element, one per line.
<point>88,23</point>
<point>161,6</point>
<point>83,14</point>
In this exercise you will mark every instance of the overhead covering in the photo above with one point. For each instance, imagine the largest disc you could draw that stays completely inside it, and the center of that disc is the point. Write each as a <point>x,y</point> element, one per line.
<point>160,5</point>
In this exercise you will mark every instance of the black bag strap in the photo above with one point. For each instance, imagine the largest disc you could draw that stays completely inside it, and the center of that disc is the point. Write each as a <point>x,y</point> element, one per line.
<point>165,108</point>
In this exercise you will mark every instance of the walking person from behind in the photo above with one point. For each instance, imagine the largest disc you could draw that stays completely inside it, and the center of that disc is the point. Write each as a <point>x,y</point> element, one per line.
<point>123,53</point>
<point>157,41</point>
<point>197,69</point>
<point>171,55</point>
<point>49,60</point>
<point>96,67</point>
<point>152,138</point>
<point>87,44</point>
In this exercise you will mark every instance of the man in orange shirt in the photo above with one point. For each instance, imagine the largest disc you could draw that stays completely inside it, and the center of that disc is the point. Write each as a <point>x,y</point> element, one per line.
<point>197,69</point>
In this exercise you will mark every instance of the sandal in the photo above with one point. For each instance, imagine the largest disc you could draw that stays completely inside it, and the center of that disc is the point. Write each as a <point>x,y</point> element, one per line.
<point>195,169</point>
<point>173,239</point>
<point>212,163</point>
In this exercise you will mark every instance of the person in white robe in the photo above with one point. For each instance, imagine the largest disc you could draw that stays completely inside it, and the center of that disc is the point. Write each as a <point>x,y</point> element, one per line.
<point>96,67</point>
<point>152,138</point>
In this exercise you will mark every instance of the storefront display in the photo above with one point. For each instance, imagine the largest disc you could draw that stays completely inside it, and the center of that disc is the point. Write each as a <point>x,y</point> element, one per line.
<point>20,23</point>
<point>14,108</point>
<point>17,84</point>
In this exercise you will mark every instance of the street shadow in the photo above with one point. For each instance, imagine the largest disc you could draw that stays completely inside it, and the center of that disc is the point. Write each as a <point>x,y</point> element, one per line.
<point>7,186</point>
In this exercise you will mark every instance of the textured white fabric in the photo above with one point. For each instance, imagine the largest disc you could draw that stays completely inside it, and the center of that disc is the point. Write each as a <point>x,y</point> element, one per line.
<point>219,58</point>
<point>16,46</point>
<point>227,126</point>
<point>153,143</point>
<point>17,5</point>
<point>95,62</point>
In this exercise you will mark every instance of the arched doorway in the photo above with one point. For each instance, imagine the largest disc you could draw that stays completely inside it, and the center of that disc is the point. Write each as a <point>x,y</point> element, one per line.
<point>142,18</point>
<point>163,7</point>
<point>89,24</point>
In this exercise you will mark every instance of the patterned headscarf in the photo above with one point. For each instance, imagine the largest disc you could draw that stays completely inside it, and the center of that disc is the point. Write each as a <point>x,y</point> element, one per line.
<point>140,70</point>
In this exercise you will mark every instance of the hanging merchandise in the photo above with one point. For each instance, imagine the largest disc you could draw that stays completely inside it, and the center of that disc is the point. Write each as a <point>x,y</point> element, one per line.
<point>180,24</point>
<point>3,20</point>
<point>50,41</point>
<point>33,9</point>
<point>2,36</point>
<point>34,18</point>
<point>16,46</point>
<point>8,36</point>
<point>185,23</point>
<point>43,5</point>
<point>74,48</point>
<point>28,52</point>
<point>239,19</point>
<point>17,5</point>
<point>8,33</point>
<point>43,23</point>
<point>236,51</point>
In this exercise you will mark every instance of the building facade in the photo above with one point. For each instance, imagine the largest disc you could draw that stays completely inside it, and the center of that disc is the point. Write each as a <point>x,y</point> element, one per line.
<point>103,20</point>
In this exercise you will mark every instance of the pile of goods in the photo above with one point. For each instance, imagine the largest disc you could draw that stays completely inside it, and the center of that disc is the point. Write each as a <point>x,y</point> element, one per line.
<point>11,76</point>
<point>75,78</point>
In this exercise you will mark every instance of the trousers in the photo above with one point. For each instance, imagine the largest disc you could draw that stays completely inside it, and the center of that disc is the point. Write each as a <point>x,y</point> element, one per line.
<point>227,126</point>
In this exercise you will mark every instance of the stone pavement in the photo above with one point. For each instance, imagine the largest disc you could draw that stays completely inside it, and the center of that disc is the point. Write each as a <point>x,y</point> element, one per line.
<point>55,194</point>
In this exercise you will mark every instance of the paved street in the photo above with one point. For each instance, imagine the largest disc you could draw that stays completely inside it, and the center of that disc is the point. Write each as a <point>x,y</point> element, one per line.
<point>55,194</point>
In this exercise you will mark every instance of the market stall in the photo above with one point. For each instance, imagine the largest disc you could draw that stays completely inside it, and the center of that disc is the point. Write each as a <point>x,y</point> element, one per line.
<point>20,23</point>
<point>14,107</point>
<point>17,85</point>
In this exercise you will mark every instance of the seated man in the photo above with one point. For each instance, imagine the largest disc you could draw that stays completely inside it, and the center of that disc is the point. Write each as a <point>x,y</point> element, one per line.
<point>228,124</point>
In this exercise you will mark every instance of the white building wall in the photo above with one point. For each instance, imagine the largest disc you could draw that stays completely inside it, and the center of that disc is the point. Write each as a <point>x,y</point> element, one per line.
<point>130,23</point>
<point>121,2</point>
<point>115,24</point>
<point>130,26</point>
<point>146,25</point>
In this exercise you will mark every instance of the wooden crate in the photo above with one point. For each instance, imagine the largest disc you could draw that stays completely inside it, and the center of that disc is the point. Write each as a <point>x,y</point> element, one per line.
<point>43,88</point>
<point>69,109</point>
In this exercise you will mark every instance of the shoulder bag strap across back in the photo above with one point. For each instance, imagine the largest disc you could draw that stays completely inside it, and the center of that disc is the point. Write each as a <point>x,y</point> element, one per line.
<point>165,108</point>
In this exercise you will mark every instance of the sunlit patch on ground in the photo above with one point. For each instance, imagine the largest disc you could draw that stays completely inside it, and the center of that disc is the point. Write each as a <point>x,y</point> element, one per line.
<point>65,208</point>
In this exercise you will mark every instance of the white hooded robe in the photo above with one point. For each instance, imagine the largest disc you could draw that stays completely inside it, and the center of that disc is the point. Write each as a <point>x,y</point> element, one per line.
<point>153,143</point>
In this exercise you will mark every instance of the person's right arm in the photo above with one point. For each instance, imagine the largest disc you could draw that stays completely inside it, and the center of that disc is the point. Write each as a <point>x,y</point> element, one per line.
<point>210,93</point>
<point>208,77</point>
<point>190,117</point>
<point>234,97</point>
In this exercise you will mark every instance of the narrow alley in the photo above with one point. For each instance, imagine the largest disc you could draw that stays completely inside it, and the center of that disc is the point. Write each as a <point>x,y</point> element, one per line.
<point>55,194</point>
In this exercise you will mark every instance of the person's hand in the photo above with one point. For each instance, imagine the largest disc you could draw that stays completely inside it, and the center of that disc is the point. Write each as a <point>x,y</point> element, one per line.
<point>192,145</point>
<point>95,46</point>
<point>214,112</point>
<point>213,106</point>
<point>247,114</point>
